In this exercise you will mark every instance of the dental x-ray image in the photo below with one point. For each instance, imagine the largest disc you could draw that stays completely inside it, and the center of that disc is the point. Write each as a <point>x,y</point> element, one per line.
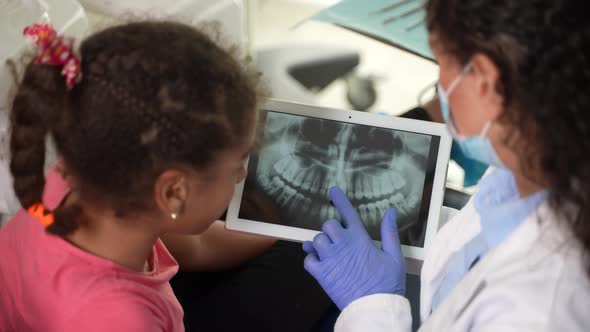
<point>377,168</point>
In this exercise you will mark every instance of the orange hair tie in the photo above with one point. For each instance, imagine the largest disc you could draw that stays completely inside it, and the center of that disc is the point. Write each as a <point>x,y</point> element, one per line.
<point>38,211</point>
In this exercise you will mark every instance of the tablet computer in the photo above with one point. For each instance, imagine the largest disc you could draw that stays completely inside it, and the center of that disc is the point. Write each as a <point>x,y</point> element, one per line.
<point>378,161</point>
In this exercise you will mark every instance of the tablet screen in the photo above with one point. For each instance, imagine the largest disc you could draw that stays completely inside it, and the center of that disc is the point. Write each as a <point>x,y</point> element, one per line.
<point>378,168</point>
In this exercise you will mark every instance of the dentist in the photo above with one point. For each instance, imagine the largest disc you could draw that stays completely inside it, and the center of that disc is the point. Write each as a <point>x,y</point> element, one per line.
<point>514,78</point>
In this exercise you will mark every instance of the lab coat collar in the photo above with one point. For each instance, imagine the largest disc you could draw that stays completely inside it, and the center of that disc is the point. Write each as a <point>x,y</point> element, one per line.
<point>500,207</point>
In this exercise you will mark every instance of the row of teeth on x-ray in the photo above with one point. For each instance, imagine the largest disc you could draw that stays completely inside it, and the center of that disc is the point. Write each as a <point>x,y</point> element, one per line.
<point>303,207</point>
<point>363,187</point>
<point>302,193</point>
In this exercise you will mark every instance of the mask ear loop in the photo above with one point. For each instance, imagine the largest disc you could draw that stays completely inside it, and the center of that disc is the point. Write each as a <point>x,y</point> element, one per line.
<point>459,78</point>
<point>434,84</point>
<point>486,129</point>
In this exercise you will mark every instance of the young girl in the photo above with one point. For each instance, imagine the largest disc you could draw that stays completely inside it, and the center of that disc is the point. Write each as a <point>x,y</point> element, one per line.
<point>153,123</point>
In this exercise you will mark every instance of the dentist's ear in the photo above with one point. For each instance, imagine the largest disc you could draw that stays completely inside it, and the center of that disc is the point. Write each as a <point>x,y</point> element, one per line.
<point>488,86</point>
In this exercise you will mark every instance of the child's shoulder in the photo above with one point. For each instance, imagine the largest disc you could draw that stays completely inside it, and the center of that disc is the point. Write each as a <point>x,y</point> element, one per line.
<point>88,292</point>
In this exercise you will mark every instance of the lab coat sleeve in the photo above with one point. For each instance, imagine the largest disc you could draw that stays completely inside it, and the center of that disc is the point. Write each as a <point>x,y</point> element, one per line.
<point>375,313</point>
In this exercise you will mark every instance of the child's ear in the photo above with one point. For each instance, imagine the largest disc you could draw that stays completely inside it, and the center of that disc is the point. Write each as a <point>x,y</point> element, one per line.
<point>171,192</point>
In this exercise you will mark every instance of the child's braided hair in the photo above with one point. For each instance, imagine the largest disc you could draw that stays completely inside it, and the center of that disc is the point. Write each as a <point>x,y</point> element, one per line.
<point>152,94</point>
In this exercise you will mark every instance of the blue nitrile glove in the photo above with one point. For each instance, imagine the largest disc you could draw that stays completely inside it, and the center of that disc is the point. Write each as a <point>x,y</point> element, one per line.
<point>347,263</point>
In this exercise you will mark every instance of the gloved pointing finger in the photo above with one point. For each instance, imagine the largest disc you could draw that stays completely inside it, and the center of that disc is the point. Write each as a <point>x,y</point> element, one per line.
<point>348,213</point>
<point>356,266</point>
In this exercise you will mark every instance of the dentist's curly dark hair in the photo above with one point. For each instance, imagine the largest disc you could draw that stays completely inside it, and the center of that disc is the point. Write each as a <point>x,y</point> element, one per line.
<point>541,50</point>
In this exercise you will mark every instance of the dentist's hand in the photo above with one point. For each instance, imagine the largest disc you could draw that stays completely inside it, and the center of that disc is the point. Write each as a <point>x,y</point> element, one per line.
<point>347,263</point>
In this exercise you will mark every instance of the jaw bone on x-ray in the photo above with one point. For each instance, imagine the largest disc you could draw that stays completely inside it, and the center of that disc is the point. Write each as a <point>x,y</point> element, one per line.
<point>377,168</point>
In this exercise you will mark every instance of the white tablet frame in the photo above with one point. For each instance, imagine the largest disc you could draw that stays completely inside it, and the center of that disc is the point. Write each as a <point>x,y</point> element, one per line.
<point>354,117</point>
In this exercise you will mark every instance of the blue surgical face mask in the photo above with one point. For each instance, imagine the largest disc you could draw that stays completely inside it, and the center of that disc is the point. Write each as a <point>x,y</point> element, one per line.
<point>475,147</point>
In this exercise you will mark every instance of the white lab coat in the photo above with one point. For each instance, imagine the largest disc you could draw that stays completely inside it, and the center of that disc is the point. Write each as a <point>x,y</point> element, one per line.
<point>532,281</point>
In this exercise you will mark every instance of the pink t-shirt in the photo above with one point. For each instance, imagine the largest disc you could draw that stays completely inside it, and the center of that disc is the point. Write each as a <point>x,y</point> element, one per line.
<point>48,284</point>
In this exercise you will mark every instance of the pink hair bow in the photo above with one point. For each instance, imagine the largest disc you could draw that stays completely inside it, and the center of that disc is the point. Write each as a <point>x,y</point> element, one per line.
<point>55,50</point>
